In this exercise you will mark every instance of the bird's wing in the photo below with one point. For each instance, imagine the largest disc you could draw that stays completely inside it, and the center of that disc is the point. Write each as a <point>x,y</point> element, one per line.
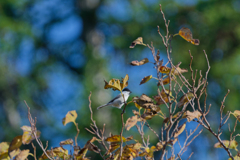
<point>118,96</point>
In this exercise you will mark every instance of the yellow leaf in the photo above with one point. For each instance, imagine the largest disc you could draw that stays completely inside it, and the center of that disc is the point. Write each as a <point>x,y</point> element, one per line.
<point>180,130</point>
<point>70,117</point>
<point>231,145</point>
<point>28,136</point>
<point>115,84</point>
<point>66,142</point>
<point>235,158</point>
<point>186,34</point>
<point>191,115</point>
<point>236,114</point>
<point>131,122</point>
<point>4,156</point>
<point>136,63</point>
<point>139,40</point>
<point>145,79</point>
<point>117,138</point>
<point>185,98</point>
<point>4,147</point>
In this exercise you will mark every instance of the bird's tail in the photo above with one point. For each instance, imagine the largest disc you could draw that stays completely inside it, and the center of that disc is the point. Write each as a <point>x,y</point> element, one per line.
<point>102,106</point>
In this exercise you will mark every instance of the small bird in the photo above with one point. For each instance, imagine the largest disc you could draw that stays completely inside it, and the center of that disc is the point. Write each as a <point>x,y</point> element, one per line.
<point>118,101</point>
<point>184,99</point>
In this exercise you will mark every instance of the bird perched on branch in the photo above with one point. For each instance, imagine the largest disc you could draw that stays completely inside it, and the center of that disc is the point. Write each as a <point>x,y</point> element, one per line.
<point>118,101</point>
<point>185,99</point>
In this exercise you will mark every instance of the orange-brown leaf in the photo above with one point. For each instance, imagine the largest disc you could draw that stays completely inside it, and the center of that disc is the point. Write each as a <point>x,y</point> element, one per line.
<point>164,69</point>
<point>186,34</point>
<point>139,63</point>
<point>145,79</point>
<point>132,121</point>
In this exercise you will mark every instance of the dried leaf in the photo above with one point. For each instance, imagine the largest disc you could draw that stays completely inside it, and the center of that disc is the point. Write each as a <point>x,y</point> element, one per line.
<point>135,112</point>
<point>142,100</point>
<point>191,115</point>
<point>180,130</point>
<point>28,136</point>
<point>164,98</point>
<point>66,142</point>
<point>4,147</point>
<point>185,98</point>
<point>117,138</point>
<point>186,34</point>
<point>147,115</point>
<point>91,147</point>
<point>131,122</point>
<point>139,40</point>
<point>136,63</point>
<point>178,70</point>
<point>4,151</point>
<point>164,69</point>
<point>166,80</point>
<point>145,79</point>
<point>22,155</point>
<point>13,149</point>
<point>70,117</point>
<point>231,145</point>
<point>4,156</point>
<point>115,84</point>
<point>236,114</point>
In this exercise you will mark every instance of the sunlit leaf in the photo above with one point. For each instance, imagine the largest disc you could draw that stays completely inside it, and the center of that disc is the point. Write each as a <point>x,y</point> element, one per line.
<point>22,155</point>
<point>145,79</point>
<point>28,136</point>
<point>117,138</point>
<point>191,115</point>
<point>180,130</point>
<point>116,84</point>
<point>70,117</point>
<point>186,34</point>
<point>236,114</point>
<point>4,151</point>
<point>164,69</point>
<point>4,147</point>
<point>231,145</point>
<point>235,158</point>
<point>66,142</point>
<point>13,149</point>
<point>131,122</point>
<point>185,98</point>
<point>113,147</point>
<point>166,80</point>
<point>139,40</point>
<point>139,63</point>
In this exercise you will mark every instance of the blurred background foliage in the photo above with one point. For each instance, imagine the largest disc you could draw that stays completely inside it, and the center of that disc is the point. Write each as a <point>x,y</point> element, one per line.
<point>53,53</point>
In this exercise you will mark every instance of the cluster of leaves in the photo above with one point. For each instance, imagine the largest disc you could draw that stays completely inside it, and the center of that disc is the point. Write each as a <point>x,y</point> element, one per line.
<point>12,150</point>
